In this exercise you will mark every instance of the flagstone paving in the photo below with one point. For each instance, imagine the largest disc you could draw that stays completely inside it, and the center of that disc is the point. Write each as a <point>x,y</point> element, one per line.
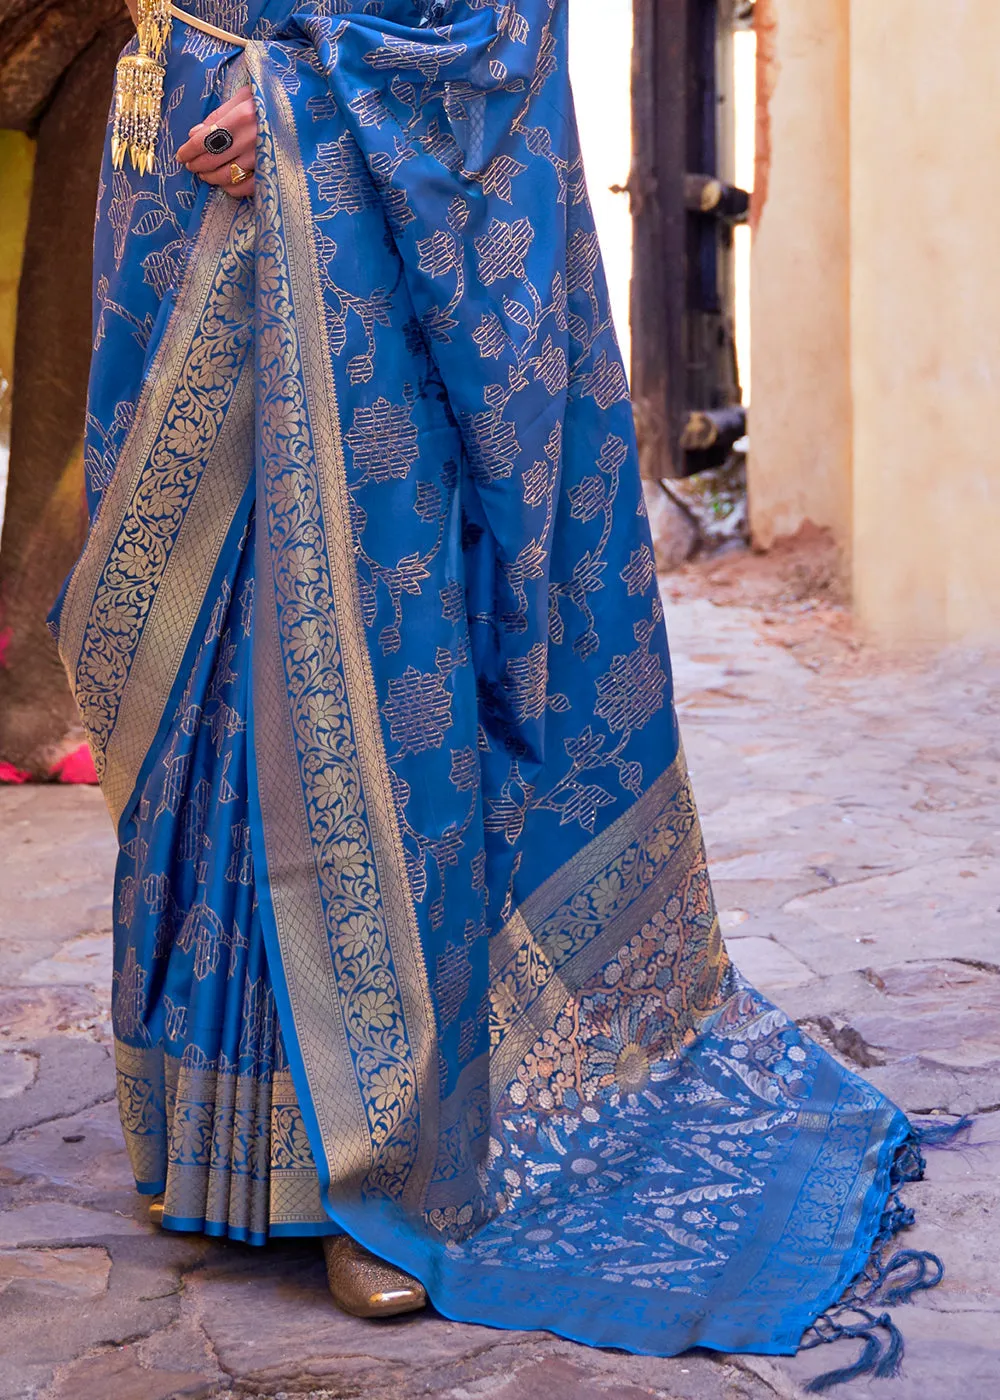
<point>853,819</point>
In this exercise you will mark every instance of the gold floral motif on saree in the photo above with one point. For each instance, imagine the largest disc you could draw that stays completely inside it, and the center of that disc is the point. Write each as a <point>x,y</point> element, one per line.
<point>349,942</point>
<point>137,594</point>
<point>230,1147</point>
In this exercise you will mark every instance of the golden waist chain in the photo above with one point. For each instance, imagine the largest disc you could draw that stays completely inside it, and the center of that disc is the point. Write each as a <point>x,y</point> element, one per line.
<point>139,81</point>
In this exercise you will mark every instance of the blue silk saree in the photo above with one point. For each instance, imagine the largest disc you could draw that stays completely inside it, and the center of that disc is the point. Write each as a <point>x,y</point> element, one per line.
<point>414,936</point>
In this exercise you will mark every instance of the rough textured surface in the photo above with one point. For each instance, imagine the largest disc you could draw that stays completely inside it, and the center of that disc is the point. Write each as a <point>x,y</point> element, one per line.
<point>57,60</point>
<point>39,40</point>
<point>853,818</point>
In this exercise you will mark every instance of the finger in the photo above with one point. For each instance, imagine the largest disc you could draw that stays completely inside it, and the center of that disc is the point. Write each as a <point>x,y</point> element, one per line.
<point>244,145</point>
<point>221,178</point>
<point>195,157</point>
<point>243,152</point>
<point>222,173</point>
<point>240,119</point>
<point>241,95</point>
<point>225,109</point>
<point>224,177</point>
<point>244,190</point>
<point>193,146</point>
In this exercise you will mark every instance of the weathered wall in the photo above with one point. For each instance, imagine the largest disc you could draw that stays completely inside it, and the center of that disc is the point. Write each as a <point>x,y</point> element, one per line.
<point>876,302</point>
<point>57,59</point>
<point>925,130</point>
<point>800,430</point>
<point>16,160</point>
<point>39,39</point>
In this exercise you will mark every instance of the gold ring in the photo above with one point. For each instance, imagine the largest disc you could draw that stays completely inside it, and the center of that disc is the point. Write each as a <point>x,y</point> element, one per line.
<point>237,174</point>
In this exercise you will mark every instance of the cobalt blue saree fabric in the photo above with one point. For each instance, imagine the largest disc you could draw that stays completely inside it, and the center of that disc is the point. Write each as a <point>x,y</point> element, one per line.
<point>414,932</point>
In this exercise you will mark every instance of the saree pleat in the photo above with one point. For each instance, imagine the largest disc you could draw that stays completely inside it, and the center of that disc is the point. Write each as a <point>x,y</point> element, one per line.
<point>414,932</point>
<point>210,1115</point>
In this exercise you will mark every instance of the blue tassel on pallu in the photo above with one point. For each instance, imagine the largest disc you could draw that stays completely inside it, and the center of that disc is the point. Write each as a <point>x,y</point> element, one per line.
<point>884,1280</point>
<point>878,1359</point>
<point>927,1271</point>
<point>939,1134</point>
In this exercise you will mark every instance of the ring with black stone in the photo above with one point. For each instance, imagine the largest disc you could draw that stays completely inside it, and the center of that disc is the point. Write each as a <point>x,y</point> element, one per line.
<point>218,140</point>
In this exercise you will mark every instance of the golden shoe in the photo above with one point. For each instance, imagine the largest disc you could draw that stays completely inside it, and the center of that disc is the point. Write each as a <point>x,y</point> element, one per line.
<point>156,1210</point>
<point>367,1286</point>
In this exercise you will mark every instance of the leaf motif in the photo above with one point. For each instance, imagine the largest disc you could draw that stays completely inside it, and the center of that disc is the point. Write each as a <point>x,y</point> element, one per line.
<point>368,600</point>
<point>417,871</point>
<point>361,369</point>
<point>682,1237</point>
<point>517,312</point>
<point>773,1020</point>
<point>436,324</point>
<point>630,775</point>
<point>428,502</point>
<point>411,573</point>
<point>458,213</point>
<point>583,804</point>
<point>584,746</point>
<point>578,327</point>
<point>760,1084</point>
<point>150,222</point>
<point>336,331</point>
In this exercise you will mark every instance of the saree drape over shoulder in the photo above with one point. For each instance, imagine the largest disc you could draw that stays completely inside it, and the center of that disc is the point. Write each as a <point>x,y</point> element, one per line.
<point>414,934</point>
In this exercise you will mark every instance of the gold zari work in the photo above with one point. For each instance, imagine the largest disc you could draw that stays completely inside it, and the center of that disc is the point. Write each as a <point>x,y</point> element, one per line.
<point>139,89</point>
<point>231,1148</point>
<point>139,82</point>
<point>374,1078</point>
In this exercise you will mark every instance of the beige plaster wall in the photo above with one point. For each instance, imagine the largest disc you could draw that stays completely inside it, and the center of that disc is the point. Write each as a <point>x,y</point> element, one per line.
<point>925,133</point>
<point>800,417</point>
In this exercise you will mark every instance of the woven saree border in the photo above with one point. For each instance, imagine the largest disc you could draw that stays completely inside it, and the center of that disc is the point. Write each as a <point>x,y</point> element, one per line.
<point>181,600</point>
<point>569,879</point>
<point>228,1149</point>
<point>158,387</point>
<point>658,845</point>
<point>374,1104</point>
<point>588,909</point>
<point>142,582</point>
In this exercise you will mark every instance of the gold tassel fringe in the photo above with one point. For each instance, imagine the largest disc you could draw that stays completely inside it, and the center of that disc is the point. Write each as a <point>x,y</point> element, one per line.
<point>139,90</point>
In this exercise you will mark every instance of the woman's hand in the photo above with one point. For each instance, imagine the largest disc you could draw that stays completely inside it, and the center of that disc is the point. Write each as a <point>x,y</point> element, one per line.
<point>239,117</point>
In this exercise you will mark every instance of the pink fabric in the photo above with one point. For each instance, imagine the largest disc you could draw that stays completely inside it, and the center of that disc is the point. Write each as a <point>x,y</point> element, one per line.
<point>76,767</point>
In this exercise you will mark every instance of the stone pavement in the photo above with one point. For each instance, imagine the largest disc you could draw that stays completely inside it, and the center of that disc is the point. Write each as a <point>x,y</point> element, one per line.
<point>853,819</point>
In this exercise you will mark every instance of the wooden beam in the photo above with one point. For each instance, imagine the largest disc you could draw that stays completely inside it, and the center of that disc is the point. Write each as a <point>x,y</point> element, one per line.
<point>656,187</point>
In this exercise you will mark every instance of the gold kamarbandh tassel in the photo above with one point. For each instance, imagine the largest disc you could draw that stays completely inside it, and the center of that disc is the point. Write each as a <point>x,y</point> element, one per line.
<point>139,89</point>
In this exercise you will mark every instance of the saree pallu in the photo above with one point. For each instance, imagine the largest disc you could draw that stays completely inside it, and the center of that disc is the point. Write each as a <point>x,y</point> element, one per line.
<point>414,933</point>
